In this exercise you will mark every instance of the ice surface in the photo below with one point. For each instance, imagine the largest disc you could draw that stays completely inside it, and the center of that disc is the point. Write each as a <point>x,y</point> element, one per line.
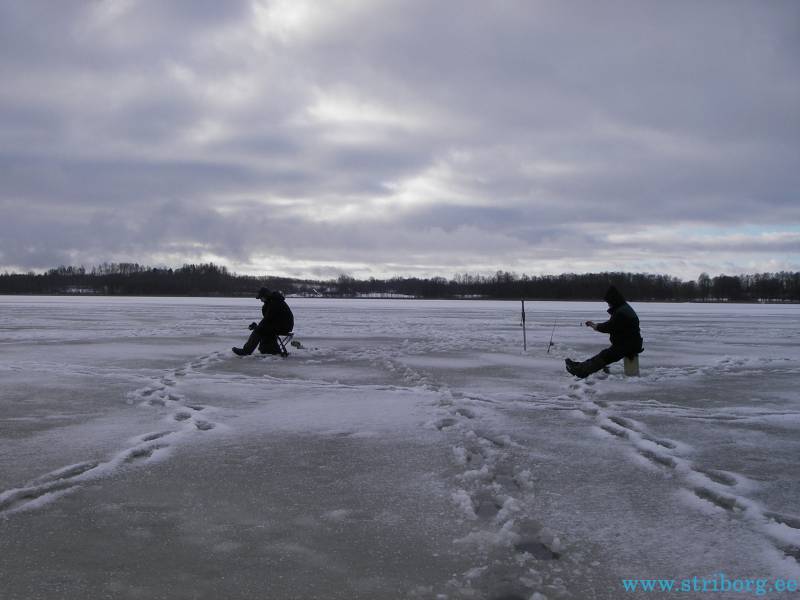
<point>410,449</point>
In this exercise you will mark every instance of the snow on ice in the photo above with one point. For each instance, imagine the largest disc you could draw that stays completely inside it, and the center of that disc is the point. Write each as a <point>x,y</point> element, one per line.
<point>409,449</point>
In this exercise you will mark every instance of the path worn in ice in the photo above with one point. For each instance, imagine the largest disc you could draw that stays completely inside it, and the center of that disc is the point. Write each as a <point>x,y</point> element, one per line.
<point>184,418</point>
<point>496,490</point>
<point>726,490</point>
<point>502,476</point>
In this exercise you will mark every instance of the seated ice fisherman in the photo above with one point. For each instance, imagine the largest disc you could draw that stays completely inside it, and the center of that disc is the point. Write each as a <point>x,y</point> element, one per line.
<point>623,327</point>
<point>278,320</point>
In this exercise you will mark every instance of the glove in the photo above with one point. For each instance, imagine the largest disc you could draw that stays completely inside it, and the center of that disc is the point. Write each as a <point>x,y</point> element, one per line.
<point>253,326</point>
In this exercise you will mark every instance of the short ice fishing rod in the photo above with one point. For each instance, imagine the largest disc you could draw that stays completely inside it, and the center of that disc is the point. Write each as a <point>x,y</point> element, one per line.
<point>550,344</point>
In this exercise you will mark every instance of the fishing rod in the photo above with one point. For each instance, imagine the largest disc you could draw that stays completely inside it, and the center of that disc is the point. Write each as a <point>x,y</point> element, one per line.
<point>550,344</point>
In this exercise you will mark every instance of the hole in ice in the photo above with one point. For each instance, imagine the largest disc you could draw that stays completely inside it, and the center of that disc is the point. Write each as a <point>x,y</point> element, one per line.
<point>182,416</point>
<point>204,425</point>
<point>509,597</point>
<point>537,550</point>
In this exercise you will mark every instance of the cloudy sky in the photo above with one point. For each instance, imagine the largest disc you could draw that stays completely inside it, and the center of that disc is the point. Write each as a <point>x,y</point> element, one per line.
<point>401,137</point>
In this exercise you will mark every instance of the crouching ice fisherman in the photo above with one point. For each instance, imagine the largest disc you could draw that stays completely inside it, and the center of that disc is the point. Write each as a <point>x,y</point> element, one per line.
<point>623,327</point>
<point>278,320</point>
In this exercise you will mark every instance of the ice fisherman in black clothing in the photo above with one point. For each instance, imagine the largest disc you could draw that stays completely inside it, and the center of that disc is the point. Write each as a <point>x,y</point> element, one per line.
<point>623,327</point>
<point>278,320</point>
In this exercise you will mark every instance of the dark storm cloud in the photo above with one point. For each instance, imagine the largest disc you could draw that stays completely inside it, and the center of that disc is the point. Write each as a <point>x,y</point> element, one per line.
<point>401,137</point>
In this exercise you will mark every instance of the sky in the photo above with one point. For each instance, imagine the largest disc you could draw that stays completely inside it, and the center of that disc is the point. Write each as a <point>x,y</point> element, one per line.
<point>377,138</point>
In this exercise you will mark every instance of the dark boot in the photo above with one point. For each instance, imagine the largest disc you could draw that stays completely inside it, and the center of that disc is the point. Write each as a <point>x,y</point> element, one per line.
<point>585,368</point>
<point>251,343</point>
<point>239,351</point>
<point>575,368</point>
<point>570,364</point>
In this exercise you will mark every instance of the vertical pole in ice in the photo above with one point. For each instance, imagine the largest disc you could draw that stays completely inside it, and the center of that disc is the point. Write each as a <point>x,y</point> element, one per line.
<point>524,333</point>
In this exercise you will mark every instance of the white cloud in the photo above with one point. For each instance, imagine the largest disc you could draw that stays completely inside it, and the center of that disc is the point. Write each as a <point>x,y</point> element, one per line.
<point>406,136</point>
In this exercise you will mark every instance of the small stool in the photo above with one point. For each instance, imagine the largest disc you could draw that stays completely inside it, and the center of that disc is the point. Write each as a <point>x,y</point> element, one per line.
<point>282,341</point>
<point>631,366</point>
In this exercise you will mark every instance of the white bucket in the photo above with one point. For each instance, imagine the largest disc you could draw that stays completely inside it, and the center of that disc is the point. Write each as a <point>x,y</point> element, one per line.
<point>631,366</point>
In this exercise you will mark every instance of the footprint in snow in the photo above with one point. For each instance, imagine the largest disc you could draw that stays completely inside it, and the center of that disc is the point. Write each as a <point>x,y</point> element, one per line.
<point>537,550</point>
<point>718,477</point>
<point>466,413</point>
<point>620,433</point>
<point>485,505</point>
<point>627,424</point>
<point>445,423</point>
<point>144,453</point>
<point>664,461</point>
<point>788,520</point>
<point>155,436</point>
<point>68,472</point>
<point>724,501</point>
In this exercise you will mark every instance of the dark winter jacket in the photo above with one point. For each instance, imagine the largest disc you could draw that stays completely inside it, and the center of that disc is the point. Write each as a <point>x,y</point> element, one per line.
<point>278,317</point>
<point>623,326</point>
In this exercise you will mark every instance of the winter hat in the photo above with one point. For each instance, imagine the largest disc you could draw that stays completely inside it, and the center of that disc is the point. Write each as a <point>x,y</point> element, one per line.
<point>263,293</point>
<point>613,296</point>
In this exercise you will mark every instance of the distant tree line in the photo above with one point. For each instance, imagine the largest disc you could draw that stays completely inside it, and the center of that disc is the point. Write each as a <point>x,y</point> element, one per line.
<point>132,279</point>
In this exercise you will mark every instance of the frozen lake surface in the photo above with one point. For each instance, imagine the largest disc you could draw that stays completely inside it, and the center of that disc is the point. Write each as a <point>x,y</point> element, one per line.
<point>410,449</point>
